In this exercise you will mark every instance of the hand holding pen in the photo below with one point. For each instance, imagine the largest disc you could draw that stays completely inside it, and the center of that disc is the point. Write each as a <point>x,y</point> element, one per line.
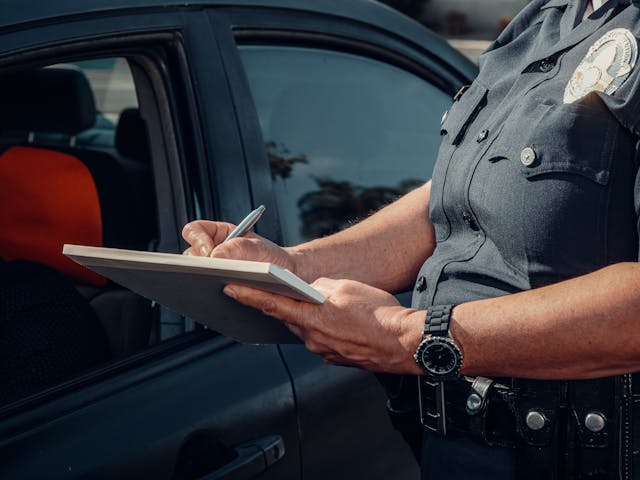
<point>210,239</point>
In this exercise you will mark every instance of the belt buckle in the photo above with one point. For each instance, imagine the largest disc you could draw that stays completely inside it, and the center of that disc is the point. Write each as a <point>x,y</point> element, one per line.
<point>434,421</point>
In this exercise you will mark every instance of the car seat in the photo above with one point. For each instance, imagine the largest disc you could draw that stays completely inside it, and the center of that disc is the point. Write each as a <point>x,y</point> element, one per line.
<point>53,195</point>
<point>132,145</point>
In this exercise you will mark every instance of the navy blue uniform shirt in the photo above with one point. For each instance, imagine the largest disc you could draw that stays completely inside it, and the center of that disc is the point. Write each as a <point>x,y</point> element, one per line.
<point>529,190</point>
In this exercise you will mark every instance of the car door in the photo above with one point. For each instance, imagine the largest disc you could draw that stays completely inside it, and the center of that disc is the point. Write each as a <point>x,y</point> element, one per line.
<point>189,403</point>
<point>346,117</point>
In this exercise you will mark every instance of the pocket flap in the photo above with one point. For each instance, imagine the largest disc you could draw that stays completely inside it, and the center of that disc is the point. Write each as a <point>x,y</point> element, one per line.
<point>463,112</point>
<point>557,139</point>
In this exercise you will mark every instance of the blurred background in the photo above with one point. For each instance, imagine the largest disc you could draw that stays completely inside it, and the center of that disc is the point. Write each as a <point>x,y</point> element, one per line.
<point>469,25</point>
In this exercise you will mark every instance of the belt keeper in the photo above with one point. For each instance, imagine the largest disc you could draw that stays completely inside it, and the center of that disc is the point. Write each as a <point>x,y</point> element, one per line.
<point>476,407</point>
<point>479,396</point>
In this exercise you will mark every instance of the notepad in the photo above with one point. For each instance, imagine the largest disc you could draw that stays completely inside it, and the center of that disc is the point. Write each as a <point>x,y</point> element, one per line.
<point>192,286</point>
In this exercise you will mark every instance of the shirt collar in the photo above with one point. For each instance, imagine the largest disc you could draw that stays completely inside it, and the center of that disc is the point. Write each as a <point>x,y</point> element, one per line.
<point>564,3</point>
<point>556,4</point>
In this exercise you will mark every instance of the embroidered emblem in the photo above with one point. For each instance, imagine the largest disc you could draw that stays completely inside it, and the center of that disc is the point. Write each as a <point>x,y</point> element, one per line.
<point>606,66</point>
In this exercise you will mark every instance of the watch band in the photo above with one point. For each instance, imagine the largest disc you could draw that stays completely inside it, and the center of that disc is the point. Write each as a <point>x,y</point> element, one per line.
<point>437,320</point>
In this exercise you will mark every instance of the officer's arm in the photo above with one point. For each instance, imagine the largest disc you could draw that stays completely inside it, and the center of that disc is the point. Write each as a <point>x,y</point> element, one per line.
<point>386,250</point>
<point>582,328</point>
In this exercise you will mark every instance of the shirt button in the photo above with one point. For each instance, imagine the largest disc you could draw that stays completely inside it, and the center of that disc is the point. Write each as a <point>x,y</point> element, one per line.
<point>546,65</point>
<point>421,284</point>
<point>482,136</point>
<point>528,156</point>
<point>469,221</point>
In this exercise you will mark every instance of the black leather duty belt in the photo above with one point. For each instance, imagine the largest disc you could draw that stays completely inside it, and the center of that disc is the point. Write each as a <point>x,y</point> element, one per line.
<point>478,407</point>
<point>575,429</point>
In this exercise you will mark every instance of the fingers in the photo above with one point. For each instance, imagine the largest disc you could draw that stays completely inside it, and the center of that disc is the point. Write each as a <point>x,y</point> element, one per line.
<point>297,331</point>
<point>298,317</point>
<point>283,308</point>
<point>206,239</point>
<point>335,360</point>
<point>295,315</point>
<point>203,236</point>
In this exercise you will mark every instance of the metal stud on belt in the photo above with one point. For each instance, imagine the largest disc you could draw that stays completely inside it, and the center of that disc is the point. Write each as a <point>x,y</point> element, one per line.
<point>536,420</point>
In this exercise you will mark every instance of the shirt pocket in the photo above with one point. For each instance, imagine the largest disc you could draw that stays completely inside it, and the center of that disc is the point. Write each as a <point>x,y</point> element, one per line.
<point>542,189</point>
<point>566,139</point>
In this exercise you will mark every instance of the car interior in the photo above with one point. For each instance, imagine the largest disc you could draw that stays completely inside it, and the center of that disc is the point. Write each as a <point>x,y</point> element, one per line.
<point>61,182</point>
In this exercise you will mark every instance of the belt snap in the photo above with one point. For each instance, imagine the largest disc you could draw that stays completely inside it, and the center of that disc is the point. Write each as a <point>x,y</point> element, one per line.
<point>595,422</point>
<point>535,420</point>
<point>477,399</point>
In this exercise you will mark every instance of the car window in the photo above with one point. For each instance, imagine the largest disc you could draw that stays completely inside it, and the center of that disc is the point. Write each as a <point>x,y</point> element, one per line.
<point>75,167</point>
<point>114,92</point>
<point>345,134</point>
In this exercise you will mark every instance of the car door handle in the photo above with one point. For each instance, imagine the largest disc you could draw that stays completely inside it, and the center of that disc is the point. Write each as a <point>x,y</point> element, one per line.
<point>252,458</point>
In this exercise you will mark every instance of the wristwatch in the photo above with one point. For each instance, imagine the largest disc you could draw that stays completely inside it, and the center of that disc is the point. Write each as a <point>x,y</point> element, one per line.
<point>437,354</point>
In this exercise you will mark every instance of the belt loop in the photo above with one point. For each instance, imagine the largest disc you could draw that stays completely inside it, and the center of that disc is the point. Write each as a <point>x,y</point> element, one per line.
<point>432,405</point>
<point>593,411</point>
<point>540,414</point>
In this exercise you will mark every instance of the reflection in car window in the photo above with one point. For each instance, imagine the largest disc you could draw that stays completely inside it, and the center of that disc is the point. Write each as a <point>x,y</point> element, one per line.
<point>344,134</point>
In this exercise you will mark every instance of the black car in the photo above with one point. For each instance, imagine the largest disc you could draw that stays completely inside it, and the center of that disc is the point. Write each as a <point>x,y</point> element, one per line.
<point>122,120</point>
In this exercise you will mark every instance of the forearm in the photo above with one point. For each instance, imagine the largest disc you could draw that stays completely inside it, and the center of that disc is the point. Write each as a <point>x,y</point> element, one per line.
<point>386,250</point>
<point>583,328</point>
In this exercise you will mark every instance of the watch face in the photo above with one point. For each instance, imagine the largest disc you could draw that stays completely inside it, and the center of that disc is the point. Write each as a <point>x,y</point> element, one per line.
<point>439,357</point>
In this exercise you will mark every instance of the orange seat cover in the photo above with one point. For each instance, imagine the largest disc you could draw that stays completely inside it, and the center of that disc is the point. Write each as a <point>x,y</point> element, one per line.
<point>47,199</point>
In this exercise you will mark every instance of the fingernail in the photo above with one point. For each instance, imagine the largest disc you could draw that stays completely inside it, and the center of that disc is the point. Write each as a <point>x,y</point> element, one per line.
<point>204,251</point>
<point>230,292</point>
<point>219,253</point>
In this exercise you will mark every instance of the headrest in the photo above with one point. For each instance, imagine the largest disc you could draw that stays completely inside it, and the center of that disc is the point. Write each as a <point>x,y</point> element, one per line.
<point>47,199</point>
<point>57,100</point>
<point>132,140</point>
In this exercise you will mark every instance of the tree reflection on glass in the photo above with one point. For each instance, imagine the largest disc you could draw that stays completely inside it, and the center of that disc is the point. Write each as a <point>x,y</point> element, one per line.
<point>334,204</point>
<point>337,204</point>
<point>281,161</point>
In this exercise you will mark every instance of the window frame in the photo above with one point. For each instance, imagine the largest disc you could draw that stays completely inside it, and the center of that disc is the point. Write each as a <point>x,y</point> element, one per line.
<point>159,65</point>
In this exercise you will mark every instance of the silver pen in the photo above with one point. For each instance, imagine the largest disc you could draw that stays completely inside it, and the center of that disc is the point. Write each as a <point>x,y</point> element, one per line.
<point>245,225</point>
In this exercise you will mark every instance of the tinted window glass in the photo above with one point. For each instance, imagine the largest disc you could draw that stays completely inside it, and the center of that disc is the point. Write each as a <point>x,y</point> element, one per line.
<point>67,177</point>
<point>345,134</point>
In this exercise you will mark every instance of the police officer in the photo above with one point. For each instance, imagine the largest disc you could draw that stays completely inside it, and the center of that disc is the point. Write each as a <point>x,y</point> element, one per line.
<point>525,325</point>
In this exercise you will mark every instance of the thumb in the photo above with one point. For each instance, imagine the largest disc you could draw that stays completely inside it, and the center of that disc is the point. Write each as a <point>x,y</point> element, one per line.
<point>277,306</point>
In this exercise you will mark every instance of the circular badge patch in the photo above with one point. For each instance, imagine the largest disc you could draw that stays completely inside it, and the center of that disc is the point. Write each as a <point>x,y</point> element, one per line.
<point>606,66</point>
